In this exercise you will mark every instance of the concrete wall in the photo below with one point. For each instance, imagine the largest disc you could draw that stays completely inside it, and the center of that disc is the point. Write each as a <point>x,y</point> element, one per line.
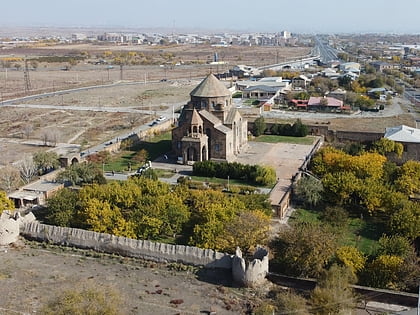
<point>143,249</point>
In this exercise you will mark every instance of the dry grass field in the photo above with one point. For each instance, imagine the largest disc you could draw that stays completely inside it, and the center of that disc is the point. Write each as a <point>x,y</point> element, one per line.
<point>89,117</point>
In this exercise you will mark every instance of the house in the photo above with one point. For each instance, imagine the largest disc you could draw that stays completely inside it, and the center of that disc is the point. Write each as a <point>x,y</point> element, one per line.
<point>241,71</point>
<point>260,92</point>
<point>301,81</point>
<point>378,93</point>
<point>35,193</point>
<point>409,137</point>
<point>353,67</point>
<point>271,89</point>
<point>324,103</point>
<point>380,66</point>
<point>351,75</point>
<point>209,127</point>
<point>330,73</point>
<point>300,104</point>
<point>339,94</point>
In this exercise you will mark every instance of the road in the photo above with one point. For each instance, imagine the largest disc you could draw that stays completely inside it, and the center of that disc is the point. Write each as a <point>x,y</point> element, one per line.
<point>327,53</point>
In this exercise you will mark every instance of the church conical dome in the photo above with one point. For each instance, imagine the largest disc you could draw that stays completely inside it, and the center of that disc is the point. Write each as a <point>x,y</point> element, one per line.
<point>210,87</point>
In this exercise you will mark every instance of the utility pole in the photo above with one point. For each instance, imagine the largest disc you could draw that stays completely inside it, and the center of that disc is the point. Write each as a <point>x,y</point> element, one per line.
<point>121,72</point>
<point>26,77</point>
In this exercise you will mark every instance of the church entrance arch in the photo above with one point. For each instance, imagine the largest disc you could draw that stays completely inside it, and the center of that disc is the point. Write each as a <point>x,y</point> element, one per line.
<point>191,154</point>
<point>204,153</point>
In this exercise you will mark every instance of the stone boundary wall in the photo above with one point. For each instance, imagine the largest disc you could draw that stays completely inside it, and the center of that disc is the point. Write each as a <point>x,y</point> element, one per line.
<point>333,135</point>
<point>112,244</point>
<point>284,203</point>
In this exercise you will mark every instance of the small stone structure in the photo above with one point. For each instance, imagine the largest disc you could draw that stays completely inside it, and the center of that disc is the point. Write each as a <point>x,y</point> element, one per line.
<point>10,224</point>
<point>253,273</point>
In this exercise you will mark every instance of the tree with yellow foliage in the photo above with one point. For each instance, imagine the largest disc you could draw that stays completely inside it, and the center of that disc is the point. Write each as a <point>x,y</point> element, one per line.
<point>247,230</point>
<point>5,203</point>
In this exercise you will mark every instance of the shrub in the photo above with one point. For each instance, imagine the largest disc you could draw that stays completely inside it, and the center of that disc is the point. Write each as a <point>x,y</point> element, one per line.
<point>88,301</point>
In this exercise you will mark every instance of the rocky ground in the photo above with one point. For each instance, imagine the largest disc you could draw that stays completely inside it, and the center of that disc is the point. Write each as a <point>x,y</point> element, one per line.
<point>31,274</point>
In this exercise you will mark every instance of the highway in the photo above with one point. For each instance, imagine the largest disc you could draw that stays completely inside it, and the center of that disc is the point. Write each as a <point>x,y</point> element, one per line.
<point>327,53</point>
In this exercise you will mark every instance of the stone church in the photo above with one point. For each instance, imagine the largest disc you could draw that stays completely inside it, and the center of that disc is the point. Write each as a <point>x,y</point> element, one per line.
<point>209,128</point>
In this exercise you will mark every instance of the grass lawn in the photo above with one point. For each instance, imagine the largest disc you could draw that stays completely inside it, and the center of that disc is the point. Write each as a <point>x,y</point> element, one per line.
<point>308,140</point>
<point>361,233</point>
<point>233,182</point>
<point>161,173</point>
<point>156,146</point>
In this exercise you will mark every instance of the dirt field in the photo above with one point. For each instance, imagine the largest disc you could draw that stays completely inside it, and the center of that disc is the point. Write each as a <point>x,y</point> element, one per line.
<point>86,117</point>
<point>30,276</point>
<point>193,60</point>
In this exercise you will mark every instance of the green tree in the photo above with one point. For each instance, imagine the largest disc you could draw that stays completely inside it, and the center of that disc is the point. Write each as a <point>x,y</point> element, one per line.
<point>291,303</point>
<point>210,210</point>
<point>305,249</point>
<point>336,216</point>
<point>141,156</point>
<point>82,173</point>
<point>247,230</point>
<point>394,245</point>
<point>333,294</point>
<point>385,146</point>
<point>406,221</point>
<point>62,207</point>
<point>266,175</point>
<point>259,126</point>
<point>384,272</point>
<point>46,161</point>
<point>308,190</point>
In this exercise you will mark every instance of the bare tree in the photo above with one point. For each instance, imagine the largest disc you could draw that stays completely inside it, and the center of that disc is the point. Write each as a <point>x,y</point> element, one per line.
<point>133,119</point>
<point>27,168</point>
<point>50,137</point>
<point>28,128</point>
<point>9,178</point>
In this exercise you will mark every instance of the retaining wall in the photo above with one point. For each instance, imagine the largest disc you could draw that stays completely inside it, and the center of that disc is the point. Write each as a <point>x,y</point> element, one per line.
<point>112,244</point>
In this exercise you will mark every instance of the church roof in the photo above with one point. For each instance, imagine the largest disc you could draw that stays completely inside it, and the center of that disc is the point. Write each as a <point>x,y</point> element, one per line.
<point>210,117</point>
<point>231,116</point>
<point>216,122</point>
<point>195,118</point>
<point>210,87</point>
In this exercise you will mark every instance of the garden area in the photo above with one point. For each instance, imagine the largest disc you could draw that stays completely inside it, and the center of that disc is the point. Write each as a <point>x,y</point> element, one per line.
<point>354,210</point>
<point>132,156</point>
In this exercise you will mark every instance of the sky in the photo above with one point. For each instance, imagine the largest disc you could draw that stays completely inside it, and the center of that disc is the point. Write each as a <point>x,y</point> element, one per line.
<point>301,16</point>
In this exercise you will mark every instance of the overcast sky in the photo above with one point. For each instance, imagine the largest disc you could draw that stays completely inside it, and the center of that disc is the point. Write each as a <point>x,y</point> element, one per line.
<point>310,16</point>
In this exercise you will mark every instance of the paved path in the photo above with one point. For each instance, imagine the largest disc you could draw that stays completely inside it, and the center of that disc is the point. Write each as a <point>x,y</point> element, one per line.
<point>286,159</point>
